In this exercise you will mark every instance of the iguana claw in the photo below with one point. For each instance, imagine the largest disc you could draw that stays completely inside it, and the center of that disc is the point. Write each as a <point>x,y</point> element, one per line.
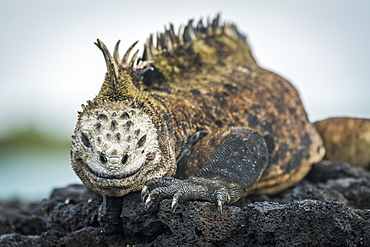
<point>144,193</point>
<point>148,202</point>
<point>220,197</point>
<point>174,204</point>
<point>219,206</point>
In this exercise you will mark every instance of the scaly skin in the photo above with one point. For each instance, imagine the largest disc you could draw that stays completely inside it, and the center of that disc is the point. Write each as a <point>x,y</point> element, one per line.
<point>202,121</point>
<point>346,139</point>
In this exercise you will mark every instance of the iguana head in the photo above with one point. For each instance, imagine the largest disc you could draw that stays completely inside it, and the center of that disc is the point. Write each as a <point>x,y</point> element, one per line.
<point>120,140</point>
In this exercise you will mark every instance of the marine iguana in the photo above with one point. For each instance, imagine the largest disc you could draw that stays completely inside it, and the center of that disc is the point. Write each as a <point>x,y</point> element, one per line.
<point>195,118</point>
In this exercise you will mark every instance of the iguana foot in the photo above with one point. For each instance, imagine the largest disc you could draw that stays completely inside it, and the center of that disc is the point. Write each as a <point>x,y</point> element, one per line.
<point>236,158</point>
<point>193,188</point>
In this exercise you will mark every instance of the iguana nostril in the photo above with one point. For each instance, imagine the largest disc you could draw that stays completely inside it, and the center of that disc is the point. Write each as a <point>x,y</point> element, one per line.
<point>124,159</point>
<point>103,159</point>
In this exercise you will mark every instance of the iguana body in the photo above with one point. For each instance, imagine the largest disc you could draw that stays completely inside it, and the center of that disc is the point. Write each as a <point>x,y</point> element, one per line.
<point>202,112</point>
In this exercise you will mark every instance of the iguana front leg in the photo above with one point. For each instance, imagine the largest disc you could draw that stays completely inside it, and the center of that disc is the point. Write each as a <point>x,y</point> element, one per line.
<point>230,161</point>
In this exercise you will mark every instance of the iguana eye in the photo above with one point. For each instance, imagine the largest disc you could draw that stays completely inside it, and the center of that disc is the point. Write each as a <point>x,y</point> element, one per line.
<point>124,159</point>
<point>103,159</point>
<point>85,140</point>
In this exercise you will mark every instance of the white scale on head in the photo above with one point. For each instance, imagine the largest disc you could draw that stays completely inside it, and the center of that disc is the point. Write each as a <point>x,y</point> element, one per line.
<point>120,141</point>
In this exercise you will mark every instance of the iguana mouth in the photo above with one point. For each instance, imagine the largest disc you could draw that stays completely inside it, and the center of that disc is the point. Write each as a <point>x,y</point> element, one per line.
<point>104,175</point>
<point>110,176</point>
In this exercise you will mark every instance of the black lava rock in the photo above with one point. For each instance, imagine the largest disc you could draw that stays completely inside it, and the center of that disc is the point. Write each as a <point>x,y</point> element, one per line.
<point>330,207</point>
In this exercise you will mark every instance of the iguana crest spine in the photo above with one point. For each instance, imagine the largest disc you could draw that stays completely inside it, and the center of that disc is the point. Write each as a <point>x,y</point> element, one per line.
<point>116,88</point>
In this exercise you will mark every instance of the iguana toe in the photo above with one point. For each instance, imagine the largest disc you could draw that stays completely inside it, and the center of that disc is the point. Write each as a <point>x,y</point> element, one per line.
<point>193,188</point>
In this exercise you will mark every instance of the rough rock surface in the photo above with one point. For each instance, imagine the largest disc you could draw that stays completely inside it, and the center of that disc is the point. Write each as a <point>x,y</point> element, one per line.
<point>330,207</point>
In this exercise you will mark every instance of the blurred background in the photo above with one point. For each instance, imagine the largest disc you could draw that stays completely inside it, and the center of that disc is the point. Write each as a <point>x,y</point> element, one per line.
<point>49,66</point>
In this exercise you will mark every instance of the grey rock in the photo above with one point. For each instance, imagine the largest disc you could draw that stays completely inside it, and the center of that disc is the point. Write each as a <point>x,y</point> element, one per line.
<point>330,207</point>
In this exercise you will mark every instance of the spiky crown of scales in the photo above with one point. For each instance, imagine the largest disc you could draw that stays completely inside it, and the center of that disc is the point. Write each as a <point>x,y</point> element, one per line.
<point>165,42</point>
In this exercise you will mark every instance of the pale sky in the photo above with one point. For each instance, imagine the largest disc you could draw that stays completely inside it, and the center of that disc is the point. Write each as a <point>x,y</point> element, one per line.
<point>49,65</point>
